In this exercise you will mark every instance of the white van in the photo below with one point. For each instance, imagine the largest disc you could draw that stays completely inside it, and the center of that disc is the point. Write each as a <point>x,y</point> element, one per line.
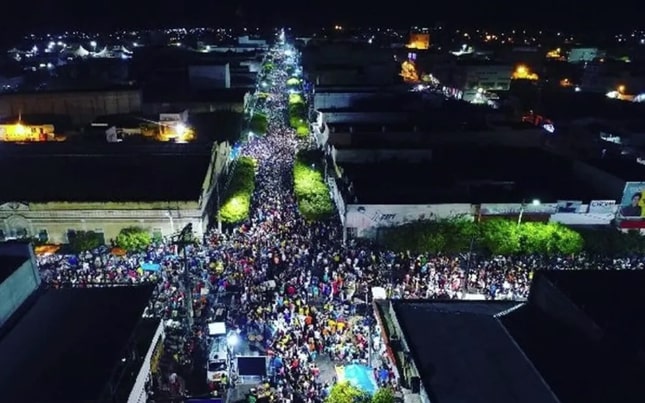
<point>218,360</point>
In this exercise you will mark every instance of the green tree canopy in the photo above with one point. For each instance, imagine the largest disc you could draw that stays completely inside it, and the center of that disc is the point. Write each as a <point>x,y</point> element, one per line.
<point>383,395</point>
<point>312,193</point>
<point>344,392</point>
<point>237,204</point>
<point>133,239</point>
<point>496,236</point>
<point>81,241</point>
<point>259,123</point>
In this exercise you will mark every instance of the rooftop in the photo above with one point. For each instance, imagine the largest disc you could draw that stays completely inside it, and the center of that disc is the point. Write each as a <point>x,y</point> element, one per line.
<point>459,368</point>
<point>9,264</point>
<point>628,170</point>
<point>68,344</point>
<point>468,175</point>
<point>588,346</point>
<point>74,173</point>
<point>572,342</point>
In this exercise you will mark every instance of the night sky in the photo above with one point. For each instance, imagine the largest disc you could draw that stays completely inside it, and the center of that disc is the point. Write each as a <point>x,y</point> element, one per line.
<point>53,15</point>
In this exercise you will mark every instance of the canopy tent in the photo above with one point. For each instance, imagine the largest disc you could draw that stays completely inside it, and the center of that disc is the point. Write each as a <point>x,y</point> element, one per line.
<point>46,249</point>
<point>118,252</point>
<point>151,267</point>
<point>360,376</point>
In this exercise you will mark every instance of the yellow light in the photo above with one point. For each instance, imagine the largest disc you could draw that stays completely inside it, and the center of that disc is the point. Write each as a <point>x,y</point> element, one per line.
<point>522,72</point>
<point>621,89</point>
<point>20,129</point>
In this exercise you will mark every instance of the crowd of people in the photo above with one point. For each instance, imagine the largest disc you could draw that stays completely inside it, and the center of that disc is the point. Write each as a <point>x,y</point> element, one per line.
<point>299,289</point>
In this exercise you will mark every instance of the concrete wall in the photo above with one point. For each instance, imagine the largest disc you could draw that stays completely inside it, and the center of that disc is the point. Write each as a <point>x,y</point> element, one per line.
<point>353,155</point>
<point>339,99</point>
<point>500,137</point>
<point>364,220</point>
<point>109,222</point>
<point>155,108</point>
<point>57,218</point>
<point>81,106</point>
<point>16,288</point>
<point>332,117</point>
<point>138,393</point>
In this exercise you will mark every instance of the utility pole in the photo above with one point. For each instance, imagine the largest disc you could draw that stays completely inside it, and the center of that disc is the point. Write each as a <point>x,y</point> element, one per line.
<point>182,240</point>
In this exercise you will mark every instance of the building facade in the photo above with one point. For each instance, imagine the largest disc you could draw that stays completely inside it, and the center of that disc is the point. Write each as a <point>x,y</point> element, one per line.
<point>53,221</point>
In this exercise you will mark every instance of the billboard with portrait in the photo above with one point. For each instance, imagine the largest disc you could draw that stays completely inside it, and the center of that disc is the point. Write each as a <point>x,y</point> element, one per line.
<point>631,212</point>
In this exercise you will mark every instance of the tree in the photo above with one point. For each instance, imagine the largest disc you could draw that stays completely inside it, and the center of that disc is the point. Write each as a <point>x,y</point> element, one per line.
<point>81,241</point>
<point>133,239</point>
<point>383,395</point>
<point>237,204</point>
<point>259,123</point>
<point>312,193</point>
<point>500,237</point>
<point>344,392</point>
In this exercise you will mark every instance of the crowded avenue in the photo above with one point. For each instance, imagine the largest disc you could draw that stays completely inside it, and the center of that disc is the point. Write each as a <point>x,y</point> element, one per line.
<point>286,288</point>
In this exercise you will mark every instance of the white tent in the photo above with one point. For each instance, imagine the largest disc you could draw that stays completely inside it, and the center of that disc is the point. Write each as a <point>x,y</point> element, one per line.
<point>81,52</point>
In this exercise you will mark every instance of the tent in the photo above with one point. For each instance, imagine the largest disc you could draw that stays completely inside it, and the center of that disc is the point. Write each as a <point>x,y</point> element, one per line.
<point>360,376</point>
<point>151,267</point>
<point>118,252</point>
<point>48,249</point>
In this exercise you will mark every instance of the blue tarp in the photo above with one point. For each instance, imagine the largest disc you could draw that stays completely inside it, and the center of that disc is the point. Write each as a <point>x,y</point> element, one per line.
<point>361,377</point>
<point>151,267</point>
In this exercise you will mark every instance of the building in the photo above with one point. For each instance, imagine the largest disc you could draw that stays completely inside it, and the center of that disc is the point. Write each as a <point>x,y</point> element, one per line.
<point>457,181</point>
<point>81,106</point>
<point>347,64</point>
<point>584,55</point>
<point>571,342</point>
<point>210,76</point>
<point>63,187</point>
<point>488,77</point>
<point>72,344</point>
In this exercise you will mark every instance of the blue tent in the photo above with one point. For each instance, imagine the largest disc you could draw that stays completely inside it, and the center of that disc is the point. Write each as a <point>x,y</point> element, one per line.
<point>361,376</point>
<point>151,267</point>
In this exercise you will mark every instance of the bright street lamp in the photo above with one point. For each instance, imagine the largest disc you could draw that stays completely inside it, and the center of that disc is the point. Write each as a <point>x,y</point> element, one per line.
<point>232,340</point>
<point>535,202</point>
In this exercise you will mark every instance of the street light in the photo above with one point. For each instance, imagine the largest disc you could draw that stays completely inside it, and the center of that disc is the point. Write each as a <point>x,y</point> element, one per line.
<point>535,202</point>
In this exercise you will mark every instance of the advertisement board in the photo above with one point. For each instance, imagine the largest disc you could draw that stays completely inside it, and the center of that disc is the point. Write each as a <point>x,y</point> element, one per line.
<point>602,207</point>
<point>515,208</point>
<point>568,206</point>
<point>631,212</point>
<point>366,218</point>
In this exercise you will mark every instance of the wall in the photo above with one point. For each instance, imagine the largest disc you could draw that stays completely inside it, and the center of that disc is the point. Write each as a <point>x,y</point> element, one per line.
<point>349,155</point>
<point>501,137</point>
<point>338,99</point>
<point>138,393</point>
<point>109,221</point>
<point>331,116</point>
<point>365,219</point>
<point>16,288</point>
<point>82,106</point>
